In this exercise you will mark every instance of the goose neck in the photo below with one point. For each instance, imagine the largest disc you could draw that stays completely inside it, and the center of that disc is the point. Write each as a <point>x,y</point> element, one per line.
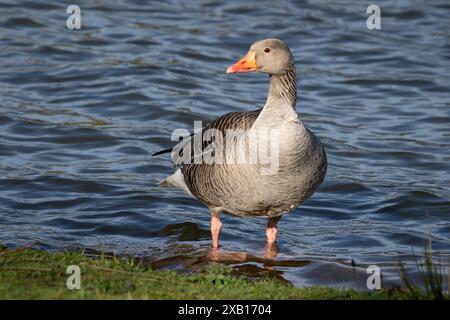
<point>283,88</point>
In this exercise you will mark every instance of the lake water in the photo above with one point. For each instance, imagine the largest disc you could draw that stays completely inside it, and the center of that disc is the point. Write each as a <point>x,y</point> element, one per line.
<point>81,112</point>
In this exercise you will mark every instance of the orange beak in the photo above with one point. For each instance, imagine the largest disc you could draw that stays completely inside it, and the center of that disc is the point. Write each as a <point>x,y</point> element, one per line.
<point>246,64</point>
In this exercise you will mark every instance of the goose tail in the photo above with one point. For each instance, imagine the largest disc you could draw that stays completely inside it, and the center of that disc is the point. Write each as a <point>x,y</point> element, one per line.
<point>176,180</point>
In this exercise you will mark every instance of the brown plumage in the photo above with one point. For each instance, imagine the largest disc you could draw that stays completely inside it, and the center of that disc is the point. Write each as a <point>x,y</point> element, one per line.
<point>254,188</point>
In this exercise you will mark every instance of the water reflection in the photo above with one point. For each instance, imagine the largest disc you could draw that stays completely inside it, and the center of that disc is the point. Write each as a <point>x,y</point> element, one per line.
<point>185,231</point>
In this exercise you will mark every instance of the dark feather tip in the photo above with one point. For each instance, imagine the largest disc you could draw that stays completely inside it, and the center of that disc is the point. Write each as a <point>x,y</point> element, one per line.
<point>162,152</point>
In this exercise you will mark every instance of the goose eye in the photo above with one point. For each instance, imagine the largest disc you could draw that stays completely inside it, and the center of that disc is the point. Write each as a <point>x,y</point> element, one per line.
<point>267,50</point>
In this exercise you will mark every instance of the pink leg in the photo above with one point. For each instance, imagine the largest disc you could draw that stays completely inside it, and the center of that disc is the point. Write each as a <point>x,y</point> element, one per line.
<point>270,251</point>
<point>216,225</point>
<point>271,230</point>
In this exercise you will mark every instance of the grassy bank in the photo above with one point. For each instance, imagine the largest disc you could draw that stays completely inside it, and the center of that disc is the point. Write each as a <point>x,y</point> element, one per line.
<point>33,274</point>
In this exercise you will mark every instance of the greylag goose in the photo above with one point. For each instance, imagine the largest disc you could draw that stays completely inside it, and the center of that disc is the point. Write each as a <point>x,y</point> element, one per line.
<point>253,181</point>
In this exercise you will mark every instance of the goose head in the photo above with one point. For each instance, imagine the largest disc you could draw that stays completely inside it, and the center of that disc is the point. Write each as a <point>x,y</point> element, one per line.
<point>270,56</point>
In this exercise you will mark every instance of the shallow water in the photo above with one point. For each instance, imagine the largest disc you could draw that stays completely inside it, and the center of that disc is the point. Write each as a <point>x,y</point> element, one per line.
<point>81,112</point>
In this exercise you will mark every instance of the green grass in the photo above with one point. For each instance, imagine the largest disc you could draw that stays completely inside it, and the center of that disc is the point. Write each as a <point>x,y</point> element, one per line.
<point>33,274</point>
<point>432,275</point>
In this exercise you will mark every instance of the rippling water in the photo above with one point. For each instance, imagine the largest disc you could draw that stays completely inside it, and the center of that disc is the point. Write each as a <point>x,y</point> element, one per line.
<point>81,112</point>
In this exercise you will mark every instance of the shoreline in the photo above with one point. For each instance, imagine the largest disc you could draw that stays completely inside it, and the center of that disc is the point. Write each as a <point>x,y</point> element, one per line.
<point>27,273</point>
